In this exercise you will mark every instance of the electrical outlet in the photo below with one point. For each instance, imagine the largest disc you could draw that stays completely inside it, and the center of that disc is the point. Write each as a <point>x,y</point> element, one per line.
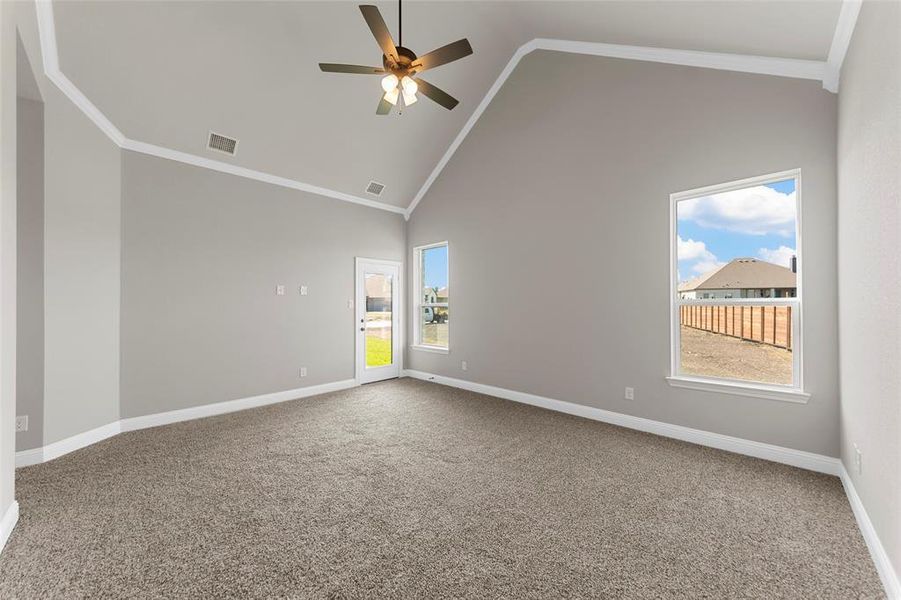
<point>303,290</point>
<point>630,393</point>
<point>858,459</point>
<point>22,423</point>
<point>463,365</point>
<point>303,371</point>
<point>279,290</point>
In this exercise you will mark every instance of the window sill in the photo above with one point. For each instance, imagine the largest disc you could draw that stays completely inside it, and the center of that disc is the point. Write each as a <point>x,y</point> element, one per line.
<point>740,389</point>
<point>433,349</point>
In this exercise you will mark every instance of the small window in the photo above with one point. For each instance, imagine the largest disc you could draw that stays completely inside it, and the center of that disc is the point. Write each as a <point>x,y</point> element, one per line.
<point>743,236</point>
<point>431,314</point>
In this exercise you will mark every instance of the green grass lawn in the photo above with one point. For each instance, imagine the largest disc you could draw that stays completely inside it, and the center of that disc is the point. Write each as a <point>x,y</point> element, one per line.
<point>378,351</point>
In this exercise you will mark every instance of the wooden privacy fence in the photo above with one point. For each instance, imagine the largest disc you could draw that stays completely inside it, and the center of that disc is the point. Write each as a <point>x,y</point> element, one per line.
<point>765,324</point>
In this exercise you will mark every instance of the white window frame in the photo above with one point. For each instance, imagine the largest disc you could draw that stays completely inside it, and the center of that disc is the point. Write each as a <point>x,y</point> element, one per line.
<point>789,393</point>
<point>418,304</point>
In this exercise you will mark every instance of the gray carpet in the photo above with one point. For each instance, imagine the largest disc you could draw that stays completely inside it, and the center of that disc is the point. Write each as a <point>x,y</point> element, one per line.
<point>407,489</point>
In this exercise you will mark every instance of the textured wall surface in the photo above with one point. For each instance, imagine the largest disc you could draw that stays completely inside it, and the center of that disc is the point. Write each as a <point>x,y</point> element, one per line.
<point>202,255</point>
<point>869,191</point>
<point>556,207</point>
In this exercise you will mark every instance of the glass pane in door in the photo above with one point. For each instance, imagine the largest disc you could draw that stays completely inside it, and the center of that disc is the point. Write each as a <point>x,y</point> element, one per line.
<point>378,341</point>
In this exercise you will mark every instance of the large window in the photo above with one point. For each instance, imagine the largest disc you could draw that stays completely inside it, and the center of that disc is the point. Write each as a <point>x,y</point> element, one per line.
<point>431,316</point>
<point>736,287</point>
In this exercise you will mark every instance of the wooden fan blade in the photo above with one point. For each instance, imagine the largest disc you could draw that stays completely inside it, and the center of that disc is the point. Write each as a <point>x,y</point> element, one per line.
<point>436,94</point>
<point>357,69</point>
<point>379,29</point>
<point>443,55</point>
<point>384,107</point>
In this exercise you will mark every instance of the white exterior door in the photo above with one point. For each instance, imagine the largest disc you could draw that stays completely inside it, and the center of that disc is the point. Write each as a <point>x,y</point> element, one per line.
<point>378,320</point>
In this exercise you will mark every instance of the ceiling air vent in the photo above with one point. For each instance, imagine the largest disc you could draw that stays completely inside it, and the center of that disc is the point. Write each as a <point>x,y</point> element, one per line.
<point>375,188</point>
<point>223,144</point>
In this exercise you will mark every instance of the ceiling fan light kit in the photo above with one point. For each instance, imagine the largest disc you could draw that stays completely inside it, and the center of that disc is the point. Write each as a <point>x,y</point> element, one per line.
<point>402,65</point>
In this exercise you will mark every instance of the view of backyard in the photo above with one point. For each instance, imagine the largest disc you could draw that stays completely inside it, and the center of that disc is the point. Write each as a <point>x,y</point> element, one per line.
<point>708,354</point>
<point>739,244</point>
<point>378,339</point>
<point>434,334</point>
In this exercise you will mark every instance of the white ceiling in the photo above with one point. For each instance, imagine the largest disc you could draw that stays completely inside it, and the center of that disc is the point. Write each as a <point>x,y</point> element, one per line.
<point>167,73</point>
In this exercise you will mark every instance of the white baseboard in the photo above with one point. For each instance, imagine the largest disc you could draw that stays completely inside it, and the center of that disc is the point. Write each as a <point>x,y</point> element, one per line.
<point>883,564</point>
<point>78,441</point>
<point>8,523</point>
<point>220,408</point>
<point>26,458</point>
<point>35,456</point>
<point>788,456</point>
<point>55,450</point>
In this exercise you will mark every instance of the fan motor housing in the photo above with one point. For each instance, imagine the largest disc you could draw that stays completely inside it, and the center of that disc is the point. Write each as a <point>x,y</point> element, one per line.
<point>404,62</point>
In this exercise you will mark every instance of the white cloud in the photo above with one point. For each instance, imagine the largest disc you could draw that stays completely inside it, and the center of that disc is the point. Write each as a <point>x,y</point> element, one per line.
<point>691,250</point>
<point>781,256</point>
<point>757,210</point>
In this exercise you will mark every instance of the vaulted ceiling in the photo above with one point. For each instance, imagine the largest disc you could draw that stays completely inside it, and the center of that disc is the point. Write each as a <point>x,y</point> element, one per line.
<point>167,73</point>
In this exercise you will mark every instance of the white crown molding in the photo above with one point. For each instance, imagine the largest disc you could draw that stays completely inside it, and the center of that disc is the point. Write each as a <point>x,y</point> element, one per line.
<point>743,63</point>
<point>25,458</point>
<point>881,559</point>
<point>844,29</point>
<point>470,123</point>
<point>223,167</point>
<point>827,72</point>
<point>49,51</point>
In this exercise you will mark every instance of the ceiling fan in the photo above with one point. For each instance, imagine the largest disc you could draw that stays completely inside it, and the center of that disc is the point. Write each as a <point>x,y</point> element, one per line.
<point>402,65</point>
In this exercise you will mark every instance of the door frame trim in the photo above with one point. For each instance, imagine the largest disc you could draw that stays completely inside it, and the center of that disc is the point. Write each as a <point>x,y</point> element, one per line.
<point>358,312</point>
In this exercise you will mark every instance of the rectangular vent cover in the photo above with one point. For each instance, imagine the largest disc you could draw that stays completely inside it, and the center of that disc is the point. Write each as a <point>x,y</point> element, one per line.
<point>220,143</point>
<point>375,188</point>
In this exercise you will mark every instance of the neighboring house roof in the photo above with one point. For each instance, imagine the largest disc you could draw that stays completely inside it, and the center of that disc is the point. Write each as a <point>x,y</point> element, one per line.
<point>743,273</point>
<point>377,287</point>
<point>440,293</point>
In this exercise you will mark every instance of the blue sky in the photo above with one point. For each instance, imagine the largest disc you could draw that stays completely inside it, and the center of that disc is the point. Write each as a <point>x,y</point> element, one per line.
<point>754,222</point>
<point>434,271</point>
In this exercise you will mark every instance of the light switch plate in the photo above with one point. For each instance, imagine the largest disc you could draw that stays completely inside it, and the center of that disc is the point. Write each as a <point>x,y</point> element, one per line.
<point>279,290</point>
<point>303,290</point>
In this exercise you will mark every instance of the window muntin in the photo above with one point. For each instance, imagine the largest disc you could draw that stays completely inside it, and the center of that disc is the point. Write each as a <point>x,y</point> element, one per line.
<point>736,283</point>
<point>431,314</point>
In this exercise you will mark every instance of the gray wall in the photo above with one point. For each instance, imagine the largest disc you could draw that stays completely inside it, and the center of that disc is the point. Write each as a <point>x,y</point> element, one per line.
<point>82,222</point>
<point>81,272</point>
<point>869,180</point>
<point>559,197</point>
<point>202,255</point>
<point>30,272</point>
